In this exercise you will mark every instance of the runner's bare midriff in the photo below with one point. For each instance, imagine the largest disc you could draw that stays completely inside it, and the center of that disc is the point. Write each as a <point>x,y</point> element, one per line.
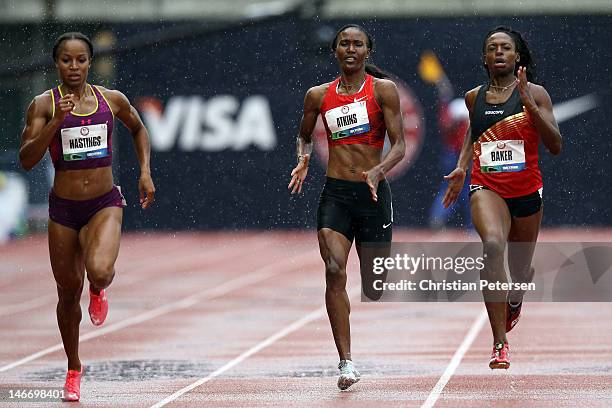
<point>83,184</point>
<point>348,162</point>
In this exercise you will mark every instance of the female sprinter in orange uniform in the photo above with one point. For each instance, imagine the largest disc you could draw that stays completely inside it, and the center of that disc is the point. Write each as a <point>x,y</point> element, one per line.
<point>357,110</point>
<point>509,115</point>
<point>75,122</point>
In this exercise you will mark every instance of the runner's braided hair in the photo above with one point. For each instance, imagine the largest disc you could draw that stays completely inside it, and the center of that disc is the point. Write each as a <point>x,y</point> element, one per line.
<point>522,49</point>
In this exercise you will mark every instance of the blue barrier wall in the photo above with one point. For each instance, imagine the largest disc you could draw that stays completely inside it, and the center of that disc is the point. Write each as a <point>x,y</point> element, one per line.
<point>223,110</point>
<point>218,177</point>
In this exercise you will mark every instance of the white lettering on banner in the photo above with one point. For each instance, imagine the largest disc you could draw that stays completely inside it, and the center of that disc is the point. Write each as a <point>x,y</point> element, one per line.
<point>192,126</point>
<point>163,127</point>
<point>218,117</point>
<point>192,123</point>
<point>255,125</point>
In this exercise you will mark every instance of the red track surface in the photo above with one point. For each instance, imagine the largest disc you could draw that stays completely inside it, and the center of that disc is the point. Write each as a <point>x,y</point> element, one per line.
<point>196,302</point>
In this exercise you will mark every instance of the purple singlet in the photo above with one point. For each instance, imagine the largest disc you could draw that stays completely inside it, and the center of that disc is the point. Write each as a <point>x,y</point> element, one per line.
<point>83,141</point>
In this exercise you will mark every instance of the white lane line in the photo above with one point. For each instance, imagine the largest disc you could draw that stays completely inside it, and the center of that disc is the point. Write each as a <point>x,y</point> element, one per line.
<point>208,294</point>
<point>314,315</point>
<point>135,275</point>
<point>456,360</point>
<point>27,305</point>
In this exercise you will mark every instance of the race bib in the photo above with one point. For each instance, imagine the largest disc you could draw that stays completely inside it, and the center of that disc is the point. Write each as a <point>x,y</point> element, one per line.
<point>85,142</point>
<point>502,156</point>
<point>348,120</point>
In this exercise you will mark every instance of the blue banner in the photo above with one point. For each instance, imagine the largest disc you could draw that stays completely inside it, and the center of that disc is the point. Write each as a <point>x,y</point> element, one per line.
<point>223,112</point>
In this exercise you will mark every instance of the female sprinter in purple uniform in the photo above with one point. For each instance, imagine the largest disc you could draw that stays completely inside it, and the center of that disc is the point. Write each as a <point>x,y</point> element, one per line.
<point>75,122</point>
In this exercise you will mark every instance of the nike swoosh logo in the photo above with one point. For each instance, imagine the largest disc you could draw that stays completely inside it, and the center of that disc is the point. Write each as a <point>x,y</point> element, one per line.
<point>387,225</point>
<point>360,99</point>
<point>570,109</point>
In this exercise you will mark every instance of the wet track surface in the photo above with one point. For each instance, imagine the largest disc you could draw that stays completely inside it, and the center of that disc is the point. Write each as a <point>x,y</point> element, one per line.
<point>228,310</point>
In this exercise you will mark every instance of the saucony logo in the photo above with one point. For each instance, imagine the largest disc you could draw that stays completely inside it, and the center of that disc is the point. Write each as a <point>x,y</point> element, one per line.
<point>566,110</point>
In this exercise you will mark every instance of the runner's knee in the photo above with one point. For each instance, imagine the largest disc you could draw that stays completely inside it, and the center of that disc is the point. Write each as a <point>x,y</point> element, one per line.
<point>100,272</point>
<point>493,247</point>
<point>335,274</point>
<point>69,293</point>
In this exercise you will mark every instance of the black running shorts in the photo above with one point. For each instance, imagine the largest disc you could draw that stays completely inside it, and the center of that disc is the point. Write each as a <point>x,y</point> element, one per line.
<point>347,207</point>
<point>523,206</point>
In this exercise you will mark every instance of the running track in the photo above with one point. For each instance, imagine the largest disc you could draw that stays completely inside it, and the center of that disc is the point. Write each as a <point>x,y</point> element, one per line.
<point>236,320</point>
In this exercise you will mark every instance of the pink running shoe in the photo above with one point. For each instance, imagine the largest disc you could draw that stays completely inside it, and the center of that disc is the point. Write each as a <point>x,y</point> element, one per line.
<point>72,388</point>
<point>98,307</point>
<point>500,358</point>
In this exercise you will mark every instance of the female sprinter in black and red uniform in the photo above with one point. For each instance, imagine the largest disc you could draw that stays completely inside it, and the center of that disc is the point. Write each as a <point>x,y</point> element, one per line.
<point>74,121</point>
<point>357,110</point>
<point>509,115</point>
